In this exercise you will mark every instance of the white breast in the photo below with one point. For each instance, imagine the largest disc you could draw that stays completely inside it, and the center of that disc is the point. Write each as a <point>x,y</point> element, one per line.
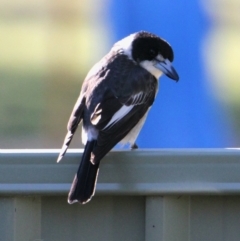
<point>133,134</point>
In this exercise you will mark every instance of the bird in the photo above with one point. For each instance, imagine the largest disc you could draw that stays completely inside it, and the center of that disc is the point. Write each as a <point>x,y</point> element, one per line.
<point>114,102</point>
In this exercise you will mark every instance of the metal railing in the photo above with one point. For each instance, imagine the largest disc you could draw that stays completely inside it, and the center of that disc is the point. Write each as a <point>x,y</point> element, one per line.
<point>167,194</point>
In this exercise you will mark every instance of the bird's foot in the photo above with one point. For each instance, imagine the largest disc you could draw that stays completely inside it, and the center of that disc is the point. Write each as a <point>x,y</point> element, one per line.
<point>134,146</point>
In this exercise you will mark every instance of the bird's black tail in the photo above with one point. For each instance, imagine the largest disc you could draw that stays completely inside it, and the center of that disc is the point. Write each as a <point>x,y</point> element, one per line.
<point>84,183</point>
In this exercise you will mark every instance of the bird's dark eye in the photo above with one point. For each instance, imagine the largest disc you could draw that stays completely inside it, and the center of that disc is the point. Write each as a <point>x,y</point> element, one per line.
<point>152,53</point>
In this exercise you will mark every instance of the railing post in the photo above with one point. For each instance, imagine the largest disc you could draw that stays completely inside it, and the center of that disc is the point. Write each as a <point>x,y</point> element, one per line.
<point>167,218</point>
<point>20,218</point>
<point>154,218</point>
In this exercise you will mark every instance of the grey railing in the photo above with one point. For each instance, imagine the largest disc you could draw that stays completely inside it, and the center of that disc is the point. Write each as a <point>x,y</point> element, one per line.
<point>167,194</point>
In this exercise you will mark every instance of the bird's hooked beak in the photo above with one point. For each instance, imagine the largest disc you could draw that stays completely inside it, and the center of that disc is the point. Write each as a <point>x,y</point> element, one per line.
<point>166,67</point>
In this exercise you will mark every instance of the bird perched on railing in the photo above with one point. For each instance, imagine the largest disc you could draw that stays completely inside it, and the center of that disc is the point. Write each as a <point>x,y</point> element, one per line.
<point>114,102</point>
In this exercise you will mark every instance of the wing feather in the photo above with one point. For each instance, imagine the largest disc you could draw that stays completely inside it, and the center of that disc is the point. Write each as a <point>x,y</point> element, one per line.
<point>123,103</point>
<point>74,120</point>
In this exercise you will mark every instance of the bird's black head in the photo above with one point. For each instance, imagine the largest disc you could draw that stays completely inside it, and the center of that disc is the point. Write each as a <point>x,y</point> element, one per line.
<point>146,46</point>
<point>154,54</point>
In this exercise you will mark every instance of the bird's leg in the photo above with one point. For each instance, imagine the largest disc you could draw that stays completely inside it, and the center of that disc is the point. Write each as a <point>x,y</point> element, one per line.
<point>134,146</point>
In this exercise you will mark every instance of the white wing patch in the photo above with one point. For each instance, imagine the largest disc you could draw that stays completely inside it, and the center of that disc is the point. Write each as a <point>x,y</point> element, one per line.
<point>124,110</point>
<point>137,98</point>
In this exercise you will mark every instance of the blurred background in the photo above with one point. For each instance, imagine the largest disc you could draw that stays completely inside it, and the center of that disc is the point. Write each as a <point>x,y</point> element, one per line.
<point>47,48</point>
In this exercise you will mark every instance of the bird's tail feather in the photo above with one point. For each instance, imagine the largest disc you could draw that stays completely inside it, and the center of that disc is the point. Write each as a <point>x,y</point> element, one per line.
<point>84,183</point>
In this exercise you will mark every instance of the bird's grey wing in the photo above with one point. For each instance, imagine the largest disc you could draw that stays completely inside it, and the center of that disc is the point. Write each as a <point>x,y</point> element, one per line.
<point>125,102</point>
<point>126,84</point>
<point>74,120</point>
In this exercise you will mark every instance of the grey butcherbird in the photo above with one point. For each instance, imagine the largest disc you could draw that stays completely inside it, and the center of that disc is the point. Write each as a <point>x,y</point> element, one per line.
<point>114,102</point>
